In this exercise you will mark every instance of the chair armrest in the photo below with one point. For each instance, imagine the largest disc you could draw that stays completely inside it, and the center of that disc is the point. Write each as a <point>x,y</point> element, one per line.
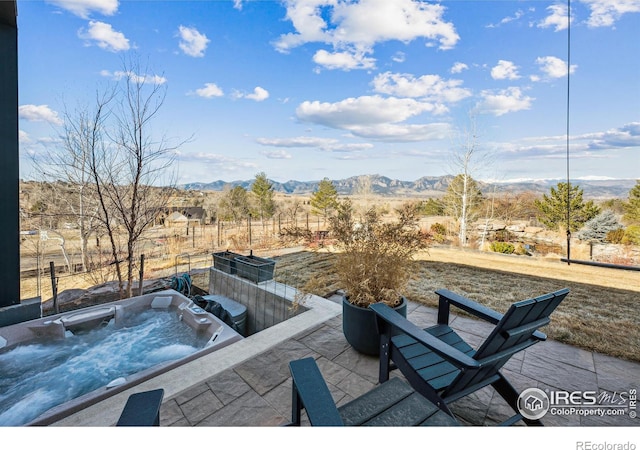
<point>142,409</point>
<point>451,354</point>
<point>311,392</point>
<point>474,308</point>
<point>451,298</point>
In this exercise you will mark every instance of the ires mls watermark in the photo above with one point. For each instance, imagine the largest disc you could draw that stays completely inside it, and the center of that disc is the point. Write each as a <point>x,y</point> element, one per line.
<point>534,403</point>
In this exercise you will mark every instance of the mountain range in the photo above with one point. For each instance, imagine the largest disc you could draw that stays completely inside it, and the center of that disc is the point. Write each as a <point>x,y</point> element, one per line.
<point>428,186</point>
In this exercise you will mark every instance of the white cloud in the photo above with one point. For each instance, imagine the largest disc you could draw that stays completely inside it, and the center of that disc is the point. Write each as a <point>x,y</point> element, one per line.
<point>209,90</point>
<point>553,67</point>
<point>324,144</point>
<point>214,161</point>
<point>399,57</point>
<point>371,21</point>
<point>504,101</point>
<point>374,117</point>
<point>587,145</point>
<point>192,42</point>
<point>343,60</point>
<point>277,154</point>
<point>627,136</point>
<point>558,17</point>
<point>353,28</point>
<point>259,94</point>
<point>366,110</point>
<point>104,36</point>
<point>505,70</point>
<point>459,67</point>
<point>135,78</point>
<point>83,8</point>
<point>39,113</point>
<point>518,14</point>
<point>427,87</point>
<point>391,132</point>
<point>23,137</point>
<point>297,142</point>
<point>604,13</point>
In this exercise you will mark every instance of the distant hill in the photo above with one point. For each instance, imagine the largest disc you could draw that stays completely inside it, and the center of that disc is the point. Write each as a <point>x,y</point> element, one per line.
<point>426,186</point>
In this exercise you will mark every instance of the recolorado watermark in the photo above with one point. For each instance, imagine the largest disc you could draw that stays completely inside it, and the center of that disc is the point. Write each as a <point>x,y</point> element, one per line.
<point>534,403</point>
<point>589,445</point>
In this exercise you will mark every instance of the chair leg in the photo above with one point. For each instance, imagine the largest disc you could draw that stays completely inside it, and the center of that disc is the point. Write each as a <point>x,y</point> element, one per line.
<point>509,393</point>
<point>296,407</point>
<point>384,356</point>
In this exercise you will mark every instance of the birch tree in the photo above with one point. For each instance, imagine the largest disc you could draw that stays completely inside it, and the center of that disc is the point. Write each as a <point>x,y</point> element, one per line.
<point>467,159</point>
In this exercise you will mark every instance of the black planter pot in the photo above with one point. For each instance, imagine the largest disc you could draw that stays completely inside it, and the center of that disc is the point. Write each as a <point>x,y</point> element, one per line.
<point>359,326</point>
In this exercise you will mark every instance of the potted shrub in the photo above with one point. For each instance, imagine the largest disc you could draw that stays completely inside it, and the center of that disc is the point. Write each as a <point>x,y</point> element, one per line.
<point>373,265</point>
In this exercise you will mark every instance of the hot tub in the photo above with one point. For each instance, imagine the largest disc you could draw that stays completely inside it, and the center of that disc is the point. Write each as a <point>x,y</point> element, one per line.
<point>55,366</point>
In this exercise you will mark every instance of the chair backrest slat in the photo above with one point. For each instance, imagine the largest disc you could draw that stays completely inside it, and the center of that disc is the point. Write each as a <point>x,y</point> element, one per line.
<point>526,329</point>
<point>512,334</point>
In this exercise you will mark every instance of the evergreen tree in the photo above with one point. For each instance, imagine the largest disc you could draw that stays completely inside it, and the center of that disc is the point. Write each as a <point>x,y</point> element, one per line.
<point>632,207</point>
<point>432,207</point>
<point>262,189</point>
<point>597,228</point>
<point>325,199</point>
<point>234,204</point>
<point>553,208</point>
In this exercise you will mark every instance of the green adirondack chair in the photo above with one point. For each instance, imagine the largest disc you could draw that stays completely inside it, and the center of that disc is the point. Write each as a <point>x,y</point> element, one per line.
<point>440,365</point>
<point>393,403</point>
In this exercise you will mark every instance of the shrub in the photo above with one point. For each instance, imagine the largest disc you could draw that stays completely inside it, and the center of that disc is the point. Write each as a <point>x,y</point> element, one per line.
<point>615,236</point>
<point>632,235</point>
<point>295,236</point>
<point>438,228</point>
<point>597,228</point>
<point>503,235</point>
<point>375,263</point>
<point>502,247</point>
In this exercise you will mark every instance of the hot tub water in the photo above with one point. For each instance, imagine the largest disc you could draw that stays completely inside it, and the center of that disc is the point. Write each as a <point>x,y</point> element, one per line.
<point>37,377</point>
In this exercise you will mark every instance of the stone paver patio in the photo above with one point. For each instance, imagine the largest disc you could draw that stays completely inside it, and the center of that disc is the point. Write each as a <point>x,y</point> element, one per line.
<point>257,392</point>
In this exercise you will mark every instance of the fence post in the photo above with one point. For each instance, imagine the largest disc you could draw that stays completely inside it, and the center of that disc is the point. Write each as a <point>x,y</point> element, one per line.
<point>54,286</point>
<point>140,289</point>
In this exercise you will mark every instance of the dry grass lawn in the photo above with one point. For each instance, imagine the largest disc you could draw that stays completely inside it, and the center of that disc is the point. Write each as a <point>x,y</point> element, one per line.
<point>601,313</point>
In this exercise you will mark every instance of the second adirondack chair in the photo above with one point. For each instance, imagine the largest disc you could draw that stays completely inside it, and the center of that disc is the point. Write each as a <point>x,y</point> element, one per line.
<point>440,365</point>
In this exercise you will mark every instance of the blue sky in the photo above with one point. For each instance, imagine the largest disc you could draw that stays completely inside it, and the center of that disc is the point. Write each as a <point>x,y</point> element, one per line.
<point>307,89</point>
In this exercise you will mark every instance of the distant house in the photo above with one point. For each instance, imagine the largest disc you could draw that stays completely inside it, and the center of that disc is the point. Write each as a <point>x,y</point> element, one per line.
<point>176,219</point>
<point>186,216</point>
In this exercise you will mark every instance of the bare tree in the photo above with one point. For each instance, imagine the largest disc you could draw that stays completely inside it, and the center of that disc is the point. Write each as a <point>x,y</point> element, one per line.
<point>462,196</point>
<point>364,189</point>
<point>65,170</point>
<point>134,173</point>
<point>292,210</point>
<point>121,176</point>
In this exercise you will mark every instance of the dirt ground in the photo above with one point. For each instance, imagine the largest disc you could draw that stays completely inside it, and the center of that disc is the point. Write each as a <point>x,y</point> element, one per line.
<point>601,313</point>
